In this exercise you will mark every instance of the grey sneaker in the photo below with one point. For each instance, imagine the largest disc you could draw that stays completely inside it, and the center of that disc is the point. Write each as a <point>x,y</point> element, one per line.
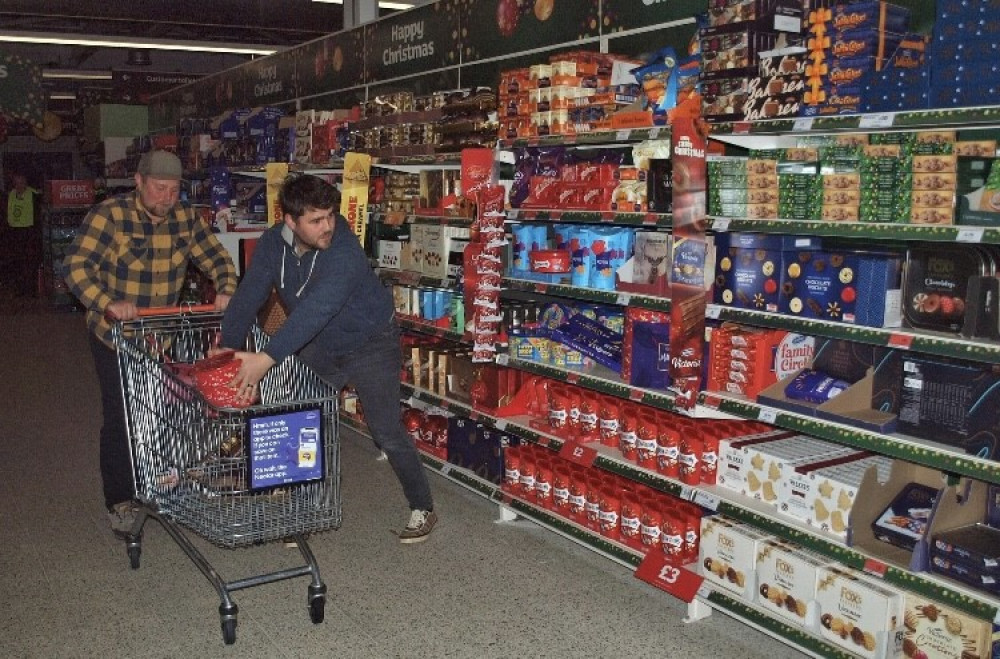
<point>122,518</point>
<point>420,526</point>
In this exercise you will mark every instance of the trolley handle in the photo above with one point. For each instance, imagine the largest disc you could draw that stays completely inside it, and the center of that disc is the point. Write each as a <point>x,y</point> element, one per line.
<point>179,309</point>
<point>147,312</point>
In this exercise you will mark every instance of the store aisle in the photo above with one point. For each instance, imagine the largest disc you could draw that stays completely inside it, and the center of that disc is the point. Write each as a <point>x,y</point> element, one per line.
<point>474,589</point>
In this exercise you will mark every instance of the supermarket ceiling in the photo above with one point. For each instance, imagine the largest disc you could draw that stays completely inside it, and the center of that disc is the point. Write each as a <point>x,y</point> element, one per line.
<point>226,24</point>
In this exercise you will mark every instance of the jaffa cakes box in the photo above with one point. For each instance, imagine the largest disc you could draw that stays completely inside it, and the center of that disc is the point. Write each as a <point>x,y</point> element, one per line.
<point>749,267</point>
<point>940,632</point>
<point>858,614</point>
<point>727,554</point>
<point>786,581</point>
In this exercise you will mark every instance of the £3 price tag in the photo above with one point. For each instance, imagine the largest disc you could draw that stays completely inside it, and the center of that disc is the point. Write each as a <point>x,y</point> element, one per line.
<point>679,581</point>
<point>581,455</point>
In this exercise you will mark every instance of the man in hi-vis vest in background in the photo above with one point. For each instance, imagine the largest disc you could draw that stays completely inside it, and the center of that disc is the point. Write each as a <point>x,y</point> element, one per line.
<point>21,238</point>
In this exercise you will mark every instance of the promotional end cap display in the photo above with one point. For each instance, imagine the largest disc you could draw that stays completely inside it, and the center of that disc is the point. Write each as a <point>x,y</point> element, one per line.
<point>160,164</point>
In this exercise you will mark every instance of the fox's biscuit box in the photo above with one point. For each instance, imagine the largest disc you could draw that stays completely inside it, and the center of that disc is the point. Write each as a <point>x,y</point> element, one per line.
<point>727,555</point>
<point>862,616</point>
<point>786,581</point>
<point>749,267</point>
<point>939,632</point>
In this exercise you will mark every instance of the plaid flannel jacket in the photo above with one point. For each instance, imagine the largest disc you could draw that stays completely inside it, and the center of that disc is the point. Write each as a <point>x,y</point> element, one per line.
<point>120,254</point>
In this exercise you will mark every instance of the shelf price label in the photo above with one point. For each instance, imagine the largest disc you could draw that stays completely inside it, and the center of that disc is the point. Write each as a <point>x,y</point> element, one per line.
<point>636,395</point>
<point>768,415</point>
<point>679,581</point>
<point>877,120</point>
<point>802,124</point>
<point>900,341</point>
<point>741,128</point>
<point>503,360</point>
<point>875,567</point>
<point>622,135</point>
<point>706,500</point>
<point>578,454</point>
<point>721,224</point>
<point>623,299</point>
<point>573,378</point>
<point>500,424</point>
<point>713,311</point>
<point>970,235</point>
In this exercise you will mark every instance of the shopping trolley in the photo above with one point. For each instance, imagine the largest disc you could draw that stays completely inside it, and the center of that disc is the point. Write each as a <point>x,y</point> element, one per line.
<point>236,477</point>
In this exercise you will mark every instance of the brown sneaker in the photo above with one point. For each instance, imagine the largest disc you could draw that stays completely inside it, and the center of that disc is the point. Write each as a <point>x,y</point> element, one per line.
<point>420,526</point>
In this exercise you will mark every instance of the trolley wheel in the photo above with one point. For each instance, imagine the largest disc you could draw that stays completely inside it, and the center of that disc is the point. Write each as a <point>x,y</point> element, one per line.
<point>229,631</point>
<point>317,609</point>
<point>134,552</point>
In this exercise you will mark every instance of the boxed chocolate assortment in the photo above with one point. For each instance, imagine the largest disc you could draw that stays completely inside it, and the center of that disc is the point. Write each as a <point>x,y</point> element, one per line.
<point>859,614</point>
<point>904,522</point>
<point>936,284</point>
<point>786,581</point>
<point>750,267</point>
<point>937,631</point>
<point>776,90</point>
<point>727,555</point>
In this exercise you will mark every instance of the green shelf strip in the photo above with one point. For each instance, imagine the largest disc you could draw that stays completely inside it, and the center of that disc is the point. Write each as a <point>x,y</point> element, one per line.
<point>663,401</point>
<point>795,635</point>
<point>595,137</point>
<point>426,328</point>
<point>442,220</point>
<point>930,119</point>
<point>658,220</point>
<point>916,341</point>
<point>861,230</point>
<point>410,278</point>
<point>936,458</point>
<point>622,298</point>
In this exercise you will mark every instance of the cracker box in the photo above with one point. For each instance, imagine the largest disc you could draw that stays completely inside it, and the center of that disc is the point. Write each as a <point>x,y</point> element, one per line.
<point>786,581</point>
<point>771,463</point>
<point>855,288</point>
<point>727,555</point>
<point>831,492</point>
<point>940,632</point>
<point>749,267</point>
<point>860,615</point>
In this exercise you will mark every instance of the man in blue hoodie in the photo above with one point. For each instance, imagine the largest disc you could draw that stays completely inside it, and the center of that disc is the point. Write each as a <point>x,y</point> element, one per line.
<point>340,322</point>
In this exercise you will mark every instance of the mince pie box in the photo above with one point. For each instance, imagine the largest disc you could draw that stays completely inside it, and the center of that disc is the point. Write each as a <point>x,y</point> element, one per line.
<point>861,615</point>
<point>786,581</point>
<point>733,464</point>
<point>771,463</point>
<point>727,555</point>
<point>941,632</point>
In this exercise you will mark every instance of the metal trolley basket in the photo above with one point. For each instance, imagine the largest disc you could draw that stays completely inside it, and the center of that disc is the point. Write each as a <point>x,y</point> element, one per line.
<point>189,463</point>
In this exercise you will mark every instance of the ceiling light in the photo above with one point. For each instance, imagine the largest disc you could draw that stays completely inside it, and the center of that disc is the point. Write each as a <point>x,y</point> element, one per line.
<point>383,5</point>
<point>152,44</point>
<point>62,96</point>
<point>69,74</point>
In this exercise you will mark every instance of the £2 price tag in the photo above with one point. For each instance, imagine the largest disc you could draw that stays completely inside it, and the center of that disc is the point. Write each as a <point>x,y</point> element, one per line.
<point>680,582</point>
<point>577,453</point>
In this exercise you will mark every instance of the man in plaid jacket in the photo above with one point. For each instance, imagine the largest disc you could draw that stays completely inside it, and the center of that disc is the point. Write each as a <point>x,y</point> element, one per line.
<point>132,252</point>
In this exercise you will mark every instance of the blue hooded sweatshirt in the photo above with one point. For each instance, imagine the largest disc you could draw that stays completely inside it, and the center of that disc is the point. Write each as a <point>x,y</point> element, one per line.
<point>333,296</point>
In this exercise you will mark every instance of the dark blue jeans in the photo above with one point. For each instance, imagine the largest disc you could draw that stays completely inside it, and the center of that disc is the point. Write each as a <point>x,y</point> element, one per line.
<point>116,459</point>
<point>373,370</point>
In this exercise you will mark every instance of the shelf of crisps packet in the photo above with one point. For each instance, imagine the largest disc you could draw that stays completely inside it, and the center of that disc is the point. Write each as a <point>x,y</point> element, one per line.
<point>563,510</point>
<point>738,507</point>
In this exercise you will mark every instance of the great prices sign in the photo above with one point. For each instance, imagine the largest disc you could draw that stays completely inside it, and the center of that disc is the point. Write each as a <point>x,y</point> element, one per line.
<point>71,193</point>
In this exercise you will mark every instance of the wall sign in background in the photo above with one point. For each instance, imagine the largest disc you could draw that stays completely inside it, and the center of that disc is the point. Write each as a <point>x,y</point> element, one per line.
<point>285,449</point>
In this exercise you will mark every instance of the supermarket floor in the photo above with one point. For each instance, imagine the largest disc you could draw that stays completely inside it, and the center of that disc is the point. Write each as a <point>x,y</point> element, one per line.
<point>475,589</point>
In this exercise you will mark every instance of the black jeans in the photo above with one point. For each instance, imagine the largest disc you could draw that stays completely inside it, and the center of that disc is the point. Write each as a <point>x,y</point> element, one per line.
<point>373,370</point>
<point>116,459</point>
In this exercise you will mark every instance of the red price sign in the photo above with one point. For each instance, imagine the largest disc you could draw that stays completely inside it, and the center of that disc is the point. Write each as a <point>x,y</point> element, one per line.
<point>875,567</point>
<point>572,378</point>
<point>636,395</point>
<point>581,455</point>
<point>680,582</point>
<point>901,341</point>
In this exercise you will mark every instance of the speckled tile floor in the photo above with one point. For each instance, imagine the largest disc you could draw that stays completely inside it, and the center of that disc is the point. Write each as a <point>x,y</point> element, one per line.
<point>476,588</point>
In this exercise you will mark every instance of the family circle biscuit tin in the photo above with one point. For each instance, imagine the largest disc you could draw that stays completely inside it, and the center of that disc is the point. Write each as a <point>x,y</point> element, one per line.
<point>936,283</point>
